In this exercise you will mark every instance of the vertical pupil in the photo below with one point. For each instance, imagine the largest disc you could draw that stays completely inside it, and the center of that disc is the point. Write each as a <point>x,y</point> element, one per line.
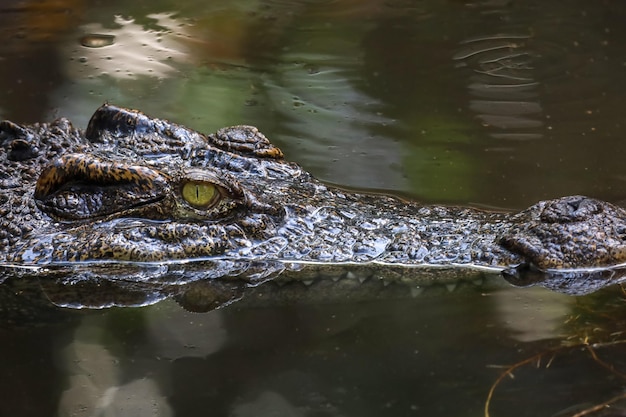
<point>199,194</point>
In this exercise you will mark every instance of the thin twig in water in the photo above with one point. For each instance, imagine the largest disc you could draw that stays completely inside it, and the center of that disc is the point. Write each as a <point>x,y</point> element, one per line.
<point>509,372</point>
<point>590,348</point>
<point>599,407</point>
<point>604,364</point>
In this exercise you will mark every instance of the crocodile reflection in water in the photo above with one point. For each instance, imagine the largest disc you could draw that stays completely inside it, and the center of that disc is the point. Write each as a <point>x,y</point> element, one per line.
<point>140,191</point>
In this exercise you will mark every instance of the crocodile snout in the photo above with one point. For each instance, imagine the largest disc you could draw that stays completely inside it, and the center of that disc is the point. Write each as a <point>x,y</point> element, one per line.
<point>570,232</point>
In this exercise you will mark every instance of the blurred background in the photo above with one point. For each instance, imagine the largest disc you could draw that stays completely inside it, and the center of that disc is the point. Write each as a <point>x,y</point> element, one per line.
<point>496,103</point>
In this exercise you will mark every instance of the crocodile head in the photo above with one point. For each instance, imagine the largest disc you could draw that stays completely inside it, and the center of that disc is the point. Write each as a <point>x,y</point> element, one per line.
<point>136,189</point>
<point>139,189</point>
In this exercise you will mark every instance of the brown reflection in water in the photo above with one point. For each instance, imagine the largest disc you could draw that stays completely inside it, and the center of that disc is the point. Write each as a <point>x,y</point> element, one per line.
<point>31,385</point>
<point>30,30</point>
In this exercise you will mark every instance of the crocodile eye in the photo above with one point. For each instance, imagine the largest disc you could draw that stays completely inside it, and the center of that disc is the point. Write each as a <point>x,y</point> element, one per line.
<point>200,194</point>
<point>204,195</point>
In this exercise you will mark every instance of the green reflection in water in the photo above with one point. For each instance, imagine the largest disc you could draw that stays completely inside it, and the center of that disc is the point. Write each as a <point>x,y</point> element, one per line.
<point>436,164</point>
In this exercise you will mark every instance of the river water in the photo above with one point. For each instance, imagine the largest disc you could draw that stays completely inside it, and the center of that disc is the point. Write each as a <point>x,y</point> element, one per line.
<point>491,103</point>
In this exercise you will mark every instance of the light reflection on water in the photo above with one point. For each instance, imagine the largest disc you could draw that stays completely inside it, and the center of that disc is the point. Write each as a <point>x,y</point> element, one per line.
<point>132,52</point>
<point>470,102</point>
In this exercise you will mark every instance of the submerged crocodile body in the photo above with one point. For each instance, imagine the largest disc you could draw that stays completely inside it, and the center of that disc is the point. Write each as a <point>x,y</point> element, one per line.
<point>150,196</point>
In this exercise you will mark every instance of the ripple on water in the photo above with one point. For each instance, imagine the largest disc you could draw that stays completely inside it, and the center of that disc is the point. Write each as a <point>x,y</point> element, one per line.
<point>502,84</point>
<point>509,75</point>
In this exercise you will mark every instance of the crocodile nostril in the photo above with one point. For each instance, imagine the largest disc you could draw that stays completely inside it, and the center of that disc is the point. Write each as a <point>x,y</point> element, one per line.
<point>620,232</point>
<point>574,204</point>
<point>570,209</point>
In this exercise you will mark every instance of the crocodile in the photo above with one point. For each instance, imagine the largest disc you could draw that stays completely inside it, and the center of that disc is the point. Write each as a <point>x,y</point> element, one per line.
<point>140,199</point>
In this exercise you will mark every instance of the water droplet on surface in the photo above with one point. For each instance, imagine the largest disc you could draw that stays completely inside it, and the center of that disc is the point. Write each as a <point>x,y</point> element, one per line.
<point>96,40</point>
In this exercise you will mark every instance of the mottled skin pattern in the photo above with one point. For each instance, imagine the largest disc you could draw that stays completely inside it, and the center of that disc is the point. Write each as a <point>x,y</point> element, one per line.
<point>114,193</point>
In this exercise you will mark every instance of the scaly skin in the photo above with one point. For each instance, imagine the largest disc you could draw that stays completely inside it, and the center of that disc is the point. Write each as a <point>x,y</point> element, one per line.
<point>114,193</point>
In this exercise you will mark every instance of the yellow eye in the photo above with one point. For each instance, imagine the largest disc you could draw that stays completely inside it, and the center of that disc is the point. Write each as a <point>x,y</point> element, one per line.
<point>200,194</point>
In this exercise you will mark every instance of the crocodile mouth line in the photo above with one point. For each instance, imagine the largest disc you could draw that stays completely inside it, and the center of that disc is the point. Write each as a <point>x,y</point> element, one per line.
<point>304,263</point>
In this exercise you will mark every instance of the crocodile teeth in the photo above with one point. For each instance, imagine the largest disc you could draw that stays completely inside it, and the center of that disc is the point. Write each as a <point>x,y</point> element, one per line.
<point>451,287</point>
<point>416,291</point>
<point>308,282</point>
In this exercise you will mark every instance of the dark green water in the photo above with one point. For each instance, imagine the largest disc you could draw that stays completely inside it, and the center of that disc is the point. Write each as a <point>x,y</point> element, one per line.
<point>491,103</point>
